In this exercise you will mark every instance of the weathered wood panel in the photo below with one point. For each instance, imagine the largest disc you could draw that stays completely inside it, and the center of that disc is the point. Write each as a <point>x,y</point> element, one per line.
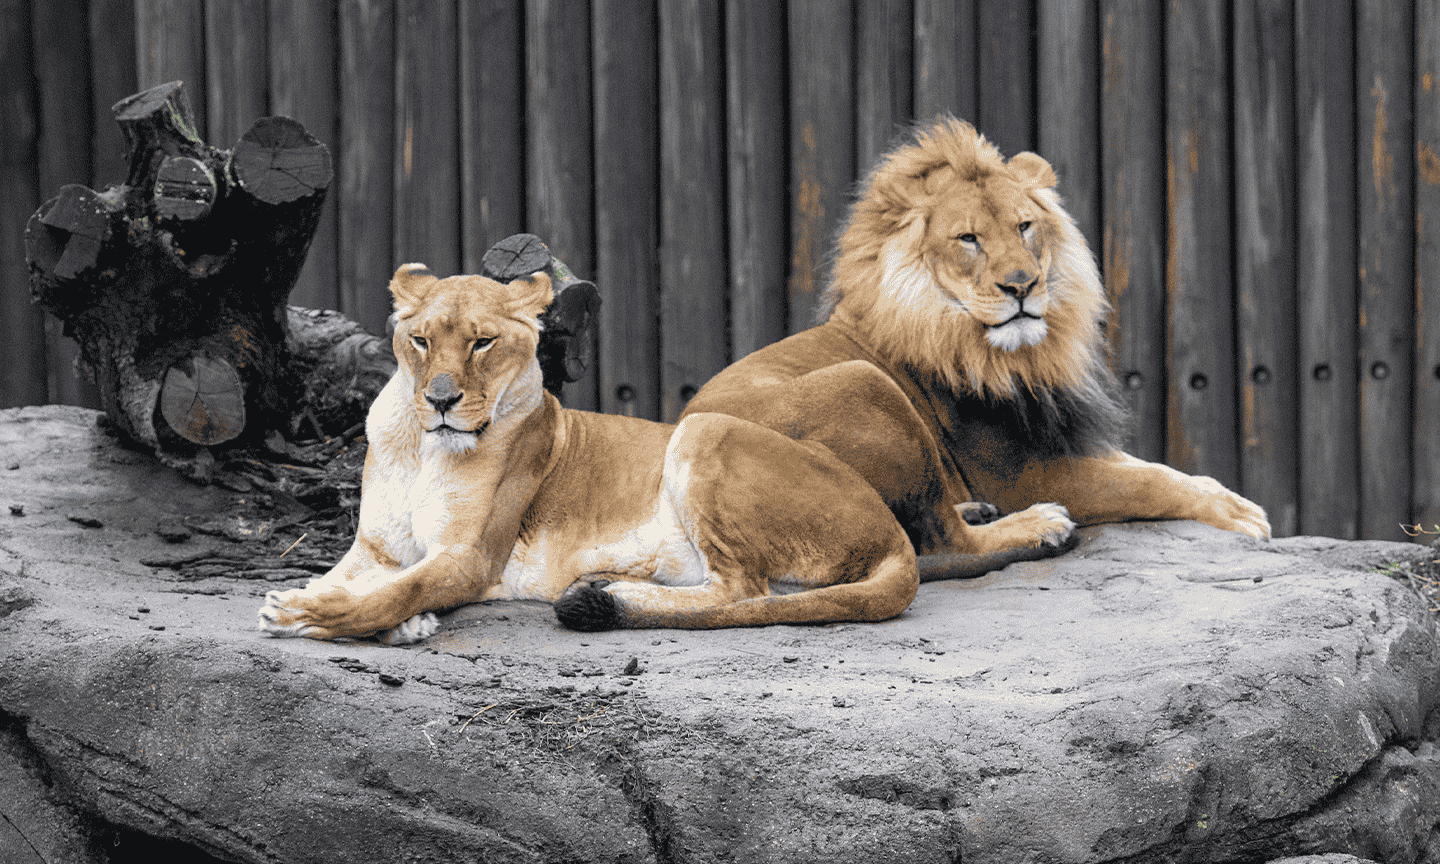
<point>1132,252</point>
<point>1326,269</point>
<point>822,145</point>
<point>1263,58</point>
<point>427,158</point>
<point>627,179</point>
<point>364,159</point>
<point>237,87</point>
<point>492,125</point>
<point>303,88</point>
<point>62,75</point>
<point>559,136</point>
<point>170,46</point>
<point>945,59</point>
<point>693,255</point>
<point>22,328</point>
<point>1068,136</point>
<point>1427,265</point>
<point>884,83</point>
<point>1005,73</point>
<point>1200,351</point>
<point>756,98</point>
<point>112,77</point>
<point>1383,78</point>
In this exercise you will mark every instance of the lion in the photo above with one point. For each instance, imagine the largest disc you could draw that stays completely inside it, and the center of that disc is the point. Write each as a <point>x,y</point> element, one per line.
<point>962,358</point>
<point>478,486</point>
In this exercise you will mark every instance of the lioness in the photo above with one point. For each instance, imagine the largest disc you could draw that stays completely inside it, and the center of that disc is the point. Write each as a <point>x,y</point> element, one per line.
<point>479,486</point>
<point>963,358</point>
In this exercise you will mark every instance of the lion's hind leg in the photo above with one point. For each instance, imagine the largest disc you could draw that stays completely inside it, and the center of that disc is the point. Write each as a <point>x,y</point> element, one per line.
<point>761,512</point>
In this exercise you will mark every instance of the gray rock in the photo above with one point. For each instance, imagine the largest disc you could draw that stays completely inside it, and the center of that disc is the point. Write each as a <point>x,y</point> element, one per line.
<point>1140,699</point>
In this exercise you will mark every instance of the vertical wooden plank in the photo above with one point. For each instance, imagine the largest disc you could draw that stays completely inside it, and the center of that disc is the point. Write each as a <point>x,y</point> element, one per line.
<point>822,144</point>
<point>1263,58</point>
<point>62,73</point>
<point>627,240</point>
<point>693,278</point>
<point>884,76</point>
<point>1133,247</point>
<point>1427,265</point>
<point>1384,70</point>
<point>1201,433</point>
<point>1326,267</point>
<point>755,82</point>
<point>492,125</point>
<point>1005,107</point>
<point>1068,133</point>
<point>303,87</point>
<point>558,136</point>
<point>170,46</point>
<point>364,193</point>
<point>112,78</point>
<point>22,328</point>
<point>236,59</point>
<point>427,163</point>
<point>945,59</point>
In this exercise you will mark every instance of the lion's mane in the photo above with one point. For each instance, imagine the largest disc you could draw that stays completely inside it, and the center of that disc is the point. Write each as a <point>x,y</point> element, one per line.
<point>1060,394</point>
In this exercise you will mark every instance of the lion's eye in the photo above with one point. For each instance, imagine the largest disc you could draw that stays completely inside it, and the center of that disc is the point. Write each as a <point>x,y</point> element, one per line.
<point>1025,226</point>
<point>420,342</point>
<point>967,237</point>
<point>482,344</point>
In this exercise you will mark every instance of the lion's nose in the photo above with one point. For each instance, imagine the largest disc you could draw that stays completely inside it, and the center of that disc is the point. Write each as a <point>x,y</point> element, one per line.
<point>1018,284</point>
<point>442,394</point>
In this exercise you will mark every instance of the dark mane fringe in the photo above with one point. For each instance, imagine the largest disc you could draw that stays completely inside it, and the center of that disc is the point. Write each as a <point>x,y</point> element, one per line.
<point>1049,423</point>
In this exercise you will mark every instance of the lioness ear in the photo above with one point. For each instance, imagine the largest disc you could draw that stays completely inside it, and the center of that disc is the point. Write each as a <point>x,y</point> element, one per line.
<point>531,295</point>
<point>409,284</point>
<point>1033,169</point>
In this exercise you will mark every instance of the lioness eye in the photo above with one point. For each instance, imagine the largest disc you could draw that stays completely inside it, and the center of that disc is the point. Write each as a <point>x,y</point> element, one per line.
<point>419,342</point>
<point>1025,226</point>
<point>482,344</point>
<point>966,238</point>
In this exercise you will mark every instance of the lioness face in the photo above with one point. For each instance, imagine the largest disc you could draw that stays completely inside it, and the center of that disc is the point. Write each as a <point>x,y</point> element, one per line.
<point>987,240</point>
<point>468,344</point>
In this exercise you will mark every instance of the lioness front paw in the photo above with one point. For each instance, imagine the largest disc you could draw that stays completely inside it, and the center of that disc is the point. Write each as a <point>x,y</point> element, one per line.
<point>284,614</point>
<point>418,627</point>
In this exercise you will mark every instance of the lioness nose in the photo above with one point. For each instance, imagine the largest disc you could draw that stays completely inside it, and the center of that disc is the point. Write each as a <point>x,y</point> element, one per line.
<point>1018,284</point>
<point>442,394</point>
<point>444,402</point>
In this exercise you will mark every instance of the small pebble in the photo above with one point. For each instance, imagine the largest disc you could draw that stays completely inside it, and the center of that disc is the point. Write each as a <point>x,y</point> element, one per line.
<point>633,667</point>
<point>13,466</point>
<point>86,521</point>
<point>17,509</point>
<point>838,702</point>
<point>157,626</point>
<point>789,659</point>
<point>1258,579</point>
<point>391,680</point>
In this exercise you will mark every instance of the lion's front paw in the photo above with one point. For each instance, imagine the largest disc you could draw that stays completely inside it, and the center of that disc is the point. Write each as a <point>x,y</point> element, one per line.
<point>1040,526</point>
<point>1225,509</point>
<point>1052,524</point>
<point>284,614</point>
<point>418,627</point>
<point>978,512</point>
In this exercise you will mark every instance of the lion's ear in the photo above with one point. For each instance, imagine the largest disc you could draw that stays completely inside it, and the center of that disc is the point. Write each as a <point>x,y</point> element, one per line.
<point>531,295</point>
<point>410,283</point>
<point>1033,169</point>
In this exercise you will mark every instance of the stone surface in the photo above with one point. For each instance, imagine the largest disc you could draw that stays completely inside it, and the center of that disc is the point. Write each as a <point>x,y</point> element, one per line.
<point>1166,692</point>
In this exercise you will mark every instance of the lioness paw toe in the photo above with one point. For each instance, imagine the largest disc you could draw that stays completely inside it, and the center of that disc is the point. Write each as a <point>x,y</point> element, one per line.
<point>978,512</point>
<point>280,617</point>
<point>412,630</point>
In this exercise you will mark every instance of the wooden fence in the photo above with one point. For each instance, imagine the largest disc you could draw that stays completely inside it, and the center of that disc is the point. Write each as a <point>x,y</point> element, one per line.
<point>1264,213</point>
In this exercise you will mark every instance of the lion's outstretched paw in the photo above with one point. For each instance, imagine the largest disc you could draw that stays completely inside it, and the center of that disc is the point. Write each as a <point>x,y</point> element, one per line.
<point>587,608</point>
<point>1225,509</point>
<point>282,614</point>
<point>978,512</point>
<point>1040,526</point>
<point>1052,523</point>
<point>416,628</point>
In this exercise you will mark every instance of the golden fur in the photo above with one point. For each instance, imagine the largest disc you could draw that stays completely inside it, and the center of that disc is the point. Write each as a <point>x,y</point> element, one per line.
<point>963,330</point>
<point>479,486</point>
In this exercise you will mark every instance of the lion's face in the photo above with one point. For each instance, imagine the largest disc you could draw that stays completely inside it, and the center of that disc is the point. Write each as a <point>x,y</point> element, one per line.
<point>987,243</point>
<point>468,345</point>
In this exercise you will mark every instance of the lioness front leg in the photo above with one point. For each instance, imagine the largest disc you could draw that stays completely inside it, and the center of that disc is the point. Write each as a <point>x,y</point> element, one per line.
<point>393,605</point>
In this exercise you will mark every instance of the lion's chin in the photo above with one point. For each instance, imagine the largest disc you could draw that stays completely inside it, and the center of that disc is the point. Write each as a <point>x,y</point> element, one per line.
<point>1017,332</point>
<point>447,439</point>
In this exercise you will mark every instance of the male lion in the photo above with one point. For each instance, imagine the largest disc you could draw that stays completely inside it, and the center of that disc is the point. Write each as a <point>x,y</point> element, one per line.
<point>963,358</point>
<point>478,486</point>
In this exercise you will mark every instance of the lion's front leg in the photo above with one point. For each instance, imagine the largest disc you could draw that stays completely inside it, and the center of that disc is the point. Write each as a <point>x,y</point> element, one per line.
<point>1120,488</point>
